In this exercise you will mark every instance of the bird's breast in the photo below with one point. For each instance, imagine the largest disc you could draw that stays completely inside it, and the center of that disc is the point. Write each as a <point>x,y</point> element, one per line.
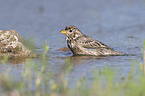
<point>71,43</point>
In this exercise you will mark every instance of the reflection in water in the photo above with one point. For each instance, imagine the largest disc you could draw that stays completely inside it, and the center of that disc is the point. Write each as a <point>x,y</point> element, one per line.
<point>82,59</point>
<point>16,60</point>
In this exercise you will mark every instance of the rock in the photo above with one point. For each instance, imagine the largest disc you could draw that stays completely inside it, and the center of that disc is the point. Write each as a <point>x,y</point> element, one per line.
<point>64,49</point>
<point>11,43</point>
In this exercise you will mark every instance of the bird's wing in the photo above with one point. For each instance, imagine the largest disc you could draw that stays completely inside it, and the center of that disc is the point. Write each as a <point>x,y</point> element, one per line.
<point>91,43</point>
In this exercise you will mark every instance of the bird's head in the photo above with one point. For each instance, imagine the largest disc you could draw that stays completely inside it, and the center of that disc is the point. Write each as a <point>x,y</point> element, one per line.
<point>71,32</point>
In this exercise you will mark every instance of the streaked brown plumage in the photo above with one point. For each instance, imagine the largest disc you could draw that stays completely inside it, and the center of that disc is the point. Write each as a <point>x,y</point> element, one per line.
<point>81,44</point>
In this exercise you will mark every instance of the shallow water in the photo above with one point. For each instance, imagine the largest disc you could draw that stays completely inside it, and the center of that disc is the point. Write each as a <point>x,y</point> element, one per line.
<point>119,24</point>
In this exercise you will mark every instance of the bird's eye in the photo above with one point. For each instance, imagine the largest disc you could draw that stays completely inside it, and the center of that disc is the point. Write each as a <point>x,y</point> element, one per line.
<point>70,31</point>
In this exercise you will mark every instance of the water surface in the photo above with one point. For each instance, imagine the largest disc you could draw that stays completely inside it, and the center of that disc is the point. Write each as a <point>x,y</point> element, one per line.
<point>119,24</point>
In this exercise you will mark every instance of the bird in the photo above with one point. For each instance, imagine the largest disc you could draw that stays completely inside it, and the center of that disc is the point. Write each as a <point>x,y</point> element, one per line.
<point>81,44</point>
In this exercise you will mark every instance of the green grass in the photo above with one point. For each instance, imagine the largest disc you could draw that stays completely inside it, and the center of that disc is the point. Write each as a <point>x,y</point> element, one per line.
<point>35,80</point>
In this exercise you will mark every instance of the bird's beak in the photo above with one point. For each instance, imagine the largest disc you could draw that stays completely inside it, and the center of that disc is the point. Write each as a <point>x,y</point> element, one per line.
<point>63,31</point>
